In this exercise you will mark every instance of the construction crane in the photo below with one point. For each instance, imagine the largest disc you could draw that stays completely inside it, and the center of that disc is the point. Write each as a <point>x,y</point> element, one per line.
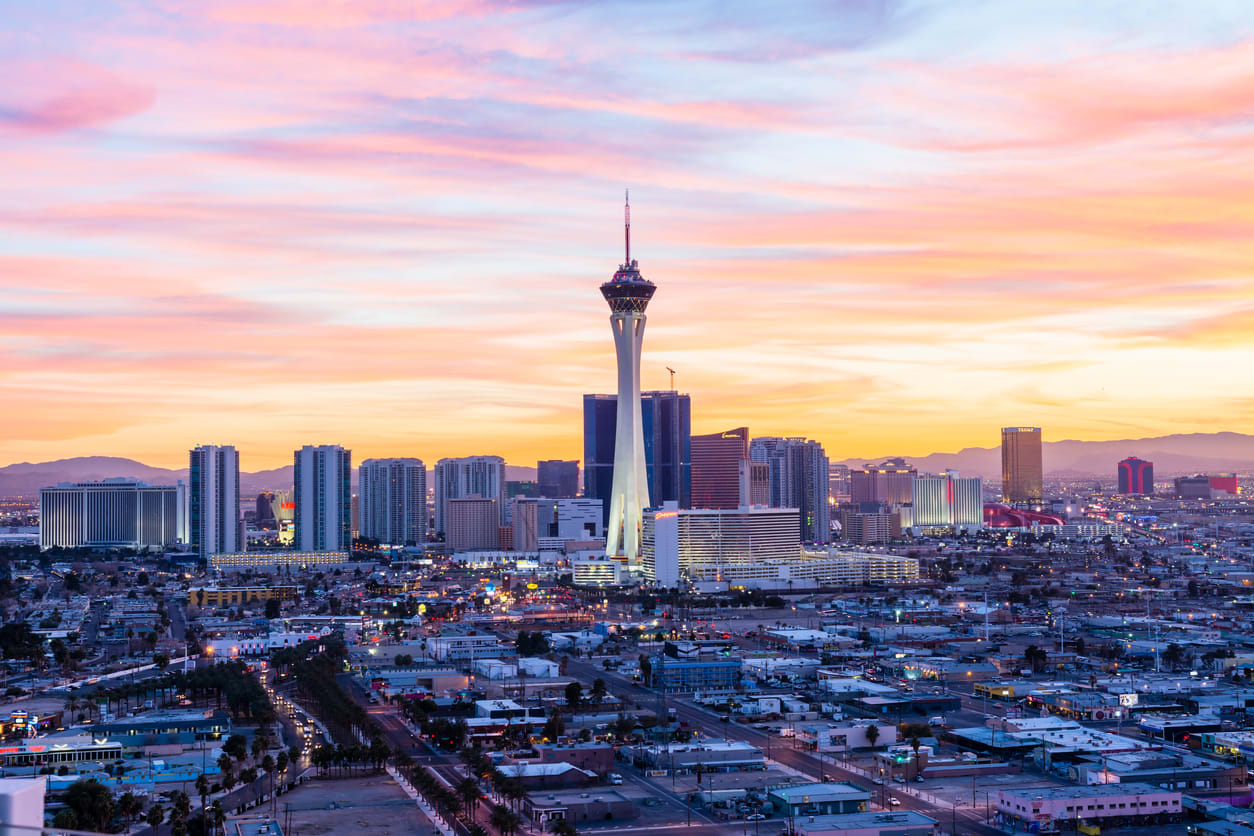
<point>672,371</point>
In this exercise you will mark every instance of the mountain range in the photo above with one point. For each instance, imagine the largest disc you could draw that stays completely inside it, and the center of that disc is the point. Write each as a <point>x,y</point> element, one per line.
<point>1223,452</point>
<point>25,479</point>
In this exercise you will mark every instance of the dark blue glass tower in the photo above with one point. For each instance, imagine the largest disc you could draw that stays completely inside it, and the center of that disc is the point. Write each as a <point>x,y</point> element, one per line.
<point>667,420</point>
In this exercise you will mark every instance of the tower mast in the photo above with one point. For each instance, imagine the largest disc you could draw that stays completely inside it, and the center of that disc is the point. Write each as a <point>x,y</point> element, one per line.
<point>626,226</point>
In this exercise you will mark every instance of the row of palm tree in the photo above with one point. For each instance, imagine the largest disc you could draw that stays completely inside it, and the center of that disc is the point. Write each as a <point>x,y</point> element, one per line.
<point>462,800</point>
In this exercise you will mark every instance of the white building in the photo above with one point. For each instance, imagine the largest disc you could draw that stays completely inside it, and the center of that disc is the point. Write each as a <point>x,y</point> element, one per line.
<point>724,545</point>
<point>214,524</point>
<point>628,294</point>
<point>456,648</point>
<point>1043,806</point>
<point>323,483</point>
<point>392,501</point>
<point>279,561</point>
<point>947,502</point>
<point>113,513</point>
<point>482,476</point>
<point>598,570</point>
<point>22,805</point>
<point>536,519</point>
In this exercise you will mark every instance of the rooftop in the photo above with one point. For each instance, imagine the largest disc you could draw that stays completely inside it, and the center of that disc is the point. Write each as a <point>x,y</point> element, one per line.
<point>1094,791</point>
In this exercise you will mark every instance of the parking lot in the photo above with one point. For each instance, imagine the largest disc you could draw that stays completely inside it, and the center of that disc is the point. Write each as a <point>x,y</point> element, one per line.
<point>373,804</point>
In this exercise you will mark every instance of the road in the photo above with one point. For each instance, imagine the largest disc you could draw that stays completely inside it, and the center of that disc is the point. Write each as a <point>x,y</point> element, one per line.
<point>966,820</point>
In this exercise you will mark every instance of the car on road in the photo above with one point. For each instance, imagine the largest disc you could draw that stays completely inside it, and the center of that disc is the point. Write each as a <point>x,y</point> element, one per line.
<point>894,802</point>
<point>755,817</point>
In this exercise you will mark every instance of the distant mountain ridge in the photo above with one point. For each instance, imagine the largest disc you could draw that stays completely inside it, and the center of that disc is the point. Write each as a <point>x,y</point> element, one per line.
<point>26,478</point>
<point>1172,455</point>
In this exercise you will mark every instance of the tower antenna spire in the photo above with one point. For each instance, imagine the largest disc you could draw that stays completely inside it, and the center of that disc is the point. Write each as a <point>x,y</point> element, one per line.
<point>627,225</point>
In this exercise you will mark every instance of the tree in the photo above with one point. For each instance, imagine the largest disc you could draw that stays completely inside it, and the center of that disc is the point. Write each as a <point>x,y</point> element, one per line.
<point>155,816</point>
<point>646,670</point>
<point>574,694</point>
<point>554,727</point>
<point>598,690</point>
<point>273,608</point>
<point>66,818</point>
<point>92,803</point>
<point>872,734</point>
<point>915,745</point>
<point>403,660</point>
<point>161,660</point>
<point>468,790</point>
<point>236,746</point>
<point>202,789</point>
<point>129,806</point>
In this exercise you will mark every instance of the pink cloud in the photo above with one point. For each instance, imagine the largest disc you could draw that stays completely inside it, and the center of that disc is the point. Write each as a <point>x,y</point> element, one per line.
<point>60,96</point>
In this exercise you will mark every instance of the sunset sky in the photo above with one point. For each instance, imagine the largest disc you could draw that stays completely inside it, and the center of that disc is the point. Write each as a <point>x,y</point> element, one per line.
<point>893,227</point>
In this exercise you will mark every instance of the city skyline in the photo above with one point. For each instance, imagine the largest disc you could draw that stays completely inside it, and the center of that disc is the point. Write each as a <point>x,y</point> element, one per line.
<point>872,232</point>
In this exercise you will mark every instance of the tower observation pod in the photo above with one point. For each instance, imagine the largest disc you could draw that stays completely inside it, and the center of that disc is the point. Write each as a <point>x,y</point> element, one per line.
<point>628,294</point>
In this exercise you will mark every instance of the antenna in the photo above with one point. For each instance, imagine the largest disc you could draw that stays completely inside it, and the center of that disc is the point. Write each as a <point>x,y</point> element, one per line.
<point>627,225</point>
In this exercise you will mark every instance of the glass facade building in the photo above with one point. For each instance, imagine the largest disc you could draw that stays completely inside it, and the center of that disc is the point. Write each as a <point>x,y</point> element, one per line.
<point>667,422</point>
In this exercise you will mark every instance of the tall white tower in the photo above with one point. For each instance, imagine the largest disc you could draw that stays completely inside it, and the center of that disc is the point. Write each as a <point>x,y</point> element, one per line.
<point>628,294</point>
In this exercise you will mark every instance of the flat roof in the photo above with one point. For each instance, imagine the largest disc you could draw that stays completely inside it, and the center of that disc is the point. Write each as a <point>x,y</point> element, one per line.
<point>865,821</point>
<point>1092,791</point>
<point>818,792</point>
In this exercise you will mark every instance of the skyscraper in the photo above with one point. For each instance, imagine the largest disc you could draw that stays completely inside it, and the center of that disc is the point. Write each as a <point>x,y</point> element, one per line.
<point>323,489</point>
<point>798,479</point>
<point>214,501</point>
<point>949,502</point>
<point>392,504</point>
<point>112,513</point>
<point>667,418</point>
<point>474,523</point>
<point>558,479</point>
<point>716,468</point>
<point>1136,477</point>
<point>482,476</point>
<point>1022,477</point>
<point>889,483</point>
<point>628,294</point>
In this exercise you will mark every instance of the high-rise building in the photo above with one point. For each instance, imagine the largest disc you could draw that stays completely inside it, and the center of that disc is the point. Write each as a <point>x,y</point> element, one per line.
<point>572,518</point>
<point>890,483</point>
<point>667,430</point>
<point>558,479</point>
<point>755,483</point>
<point>1193,487</point>
<point>392,501</point>
<point>1136,477</point>
<point>214,501</point>
<point>482,476</point>
<point>716,468</point>
<point>798,479</point>
<point>115,513</point>
<point>838,483</point>
<point>720,545</point>
<point>474,523</point>
<point>948,502</point>
<point>1022,474</point>
<point>868,523</point>
<point>266,514</point>
<point>323,490</point>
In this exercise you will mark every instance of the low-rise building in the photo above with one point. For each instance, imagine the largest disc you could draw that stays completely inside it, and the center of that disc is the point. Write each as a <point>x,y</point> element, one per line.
<point>674,676</point>
<point>708,756</point>
<point>819,799</point>
<point>897,823</point>
<point>1043,807</point>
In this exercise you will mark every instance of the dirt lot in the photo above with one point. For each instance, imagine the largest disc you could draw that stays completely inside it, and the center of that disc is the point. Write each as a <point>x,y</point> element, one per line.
<point>372,804</point>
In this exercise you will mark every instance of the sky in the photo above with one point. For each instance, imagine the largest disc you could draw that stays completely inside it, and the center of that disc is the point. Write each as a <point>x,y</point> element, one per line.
<point>891,226</point>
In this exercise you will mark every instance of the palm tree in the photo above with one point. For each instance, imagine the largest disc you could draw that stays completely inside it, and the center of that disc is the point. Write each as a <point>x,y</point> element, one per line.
<point>202,789</point>
<point>217,817</point>
<point>915,744</point>
<point>468,789</point>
